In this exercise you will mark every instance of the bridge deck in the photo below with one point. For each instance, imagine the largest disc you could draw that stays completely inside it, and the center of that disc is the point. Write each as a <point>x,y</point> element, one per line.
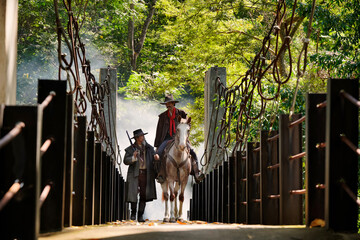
<point>195,230</point>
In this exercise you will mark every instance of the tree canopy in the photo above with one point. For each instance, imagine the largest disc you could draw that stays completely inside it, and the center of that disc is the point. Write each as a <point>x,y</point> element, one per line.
<point>163,46</point>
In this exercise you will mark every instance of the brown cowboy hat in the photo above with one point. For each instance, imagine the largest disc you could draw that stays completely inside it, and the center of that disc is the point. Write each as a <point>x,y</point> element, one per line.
<point>138,132</point>
<point>169,98</point>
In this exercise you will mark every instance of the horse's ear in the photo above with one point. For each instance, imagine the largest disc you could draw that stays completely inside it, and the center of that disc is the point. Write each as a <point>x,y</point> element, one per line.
<point>179,118</point>
<point>188,120</point>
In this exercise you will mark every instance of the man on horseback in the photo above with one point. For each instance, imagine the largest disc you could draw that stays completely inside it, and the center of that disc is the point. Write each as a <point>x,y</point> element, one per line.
<point>141,175</point>
<point>165,132</point>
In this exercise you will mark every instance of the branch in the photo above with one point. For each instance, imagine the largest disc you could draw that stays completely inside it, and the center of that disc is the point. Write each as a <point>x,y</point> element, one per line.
<point>146,25</point>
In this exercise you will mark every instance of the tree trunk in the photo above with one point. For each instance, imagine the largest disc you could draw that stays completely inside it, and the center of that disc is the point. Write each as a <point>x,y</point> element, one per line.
<point>136,46</point>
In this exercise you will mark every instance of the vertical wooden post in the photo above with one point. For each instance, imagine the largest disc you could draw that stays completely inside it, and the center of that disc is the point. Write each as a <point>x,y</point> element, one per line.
<point>212,116</point>
<point>315,158</point>
<point>341,211</point>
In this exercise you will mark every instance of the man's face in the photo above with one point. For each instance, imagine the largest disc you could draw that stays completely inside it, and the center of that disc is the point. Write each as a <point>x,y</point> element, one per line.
<point>170,105</point>
<point>140,139</point>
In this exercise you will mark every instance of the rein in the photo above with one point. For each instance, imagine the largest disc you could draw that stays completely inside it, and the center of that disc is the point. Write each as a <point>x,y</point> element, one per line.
<point>176,165</point>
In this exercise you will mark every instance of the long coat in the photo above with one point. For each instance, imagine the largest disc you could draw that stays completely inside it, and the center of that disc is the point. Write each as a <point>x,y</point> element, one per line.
<point>133,174</point>
<point>164,125</point>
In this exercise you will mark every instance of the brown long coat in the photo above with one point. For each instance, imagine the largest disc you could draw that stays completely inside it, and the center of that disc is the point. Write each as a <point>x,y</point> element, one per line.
<point>133,174</point>
<point>164,124</point>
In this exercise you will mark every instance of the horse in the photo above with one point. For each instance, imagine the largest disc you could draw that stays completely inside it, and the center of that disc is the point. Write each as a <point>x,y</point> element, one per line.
<point>178,167</point>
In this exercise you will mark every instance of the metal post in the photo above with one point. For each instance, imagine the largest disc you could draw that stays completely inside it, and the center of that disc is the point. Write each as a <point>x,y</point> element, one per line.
<point>213,115</point>
<point>341,211</point>
<point>53,161</point>
<point>103,188</point>
<point>269,178</point>
<point>315,158</point>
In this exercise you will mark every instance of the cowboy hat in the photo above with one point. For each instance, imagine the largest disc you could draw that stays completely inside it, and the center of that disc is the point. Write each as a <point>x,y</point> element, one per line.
<point>169,98</point>
<point>138,132</point>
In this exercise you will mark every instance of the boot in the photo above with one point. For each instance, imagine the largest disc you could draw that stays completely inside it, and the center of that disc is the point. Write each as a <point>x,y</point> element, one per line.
<point>142,205</point>
<point>198,175</point>
<point>161,175</point>
<point>133,211</point>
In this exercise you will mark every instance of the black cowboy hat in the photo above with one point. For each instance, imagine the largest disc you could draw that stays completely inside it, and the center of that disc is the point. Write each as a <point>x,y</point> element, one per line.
<point>169,98</point>
<point>138,132</point>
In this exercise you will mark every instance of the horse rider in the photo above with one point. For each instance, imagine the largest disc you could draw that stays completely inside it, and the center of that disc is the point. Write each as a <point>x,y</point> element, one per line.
<point>165,131</point>
<point>141,175</point>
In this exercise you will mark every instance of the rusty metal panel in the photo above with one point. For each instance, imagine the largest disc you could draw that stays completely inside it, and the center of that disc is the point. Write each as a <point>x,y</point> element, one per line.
<point>79,172</point>
<point>210,199</point>
<point>69,160</point>
<point>53,161</point>
<point>89,193</point>
<point>290,143</point>
<point>232,190</point>
<point>269,158</point>
<point>103,188</point>
<point>214,195</point>
<point>20,159</point>
<point>241,188</point>
<point>252,184</point>
<point>97,183</point>
<point>341,211</point>
<point>315,158</point>
<point>225,196</point>
<point>220,194</point>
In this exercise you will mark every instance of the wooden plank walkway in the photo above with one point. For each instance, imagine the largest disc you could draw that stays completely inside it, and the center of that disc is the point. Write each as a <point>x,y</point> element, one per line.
<point>195,230</point>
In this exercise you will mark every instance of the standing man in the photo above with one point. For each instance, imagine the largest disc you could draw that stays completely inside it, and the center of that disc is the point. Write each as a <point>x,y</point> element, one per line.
<point>141,175</point>
<point>165,131</point>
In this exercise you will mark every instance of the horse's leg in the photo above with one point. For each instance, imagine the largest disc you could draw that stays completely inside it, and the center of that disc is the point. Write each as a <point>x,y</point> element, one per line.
<point>176,190</point>
<point>181,196</point>
<point>172,198</point>
<point>165,196</point>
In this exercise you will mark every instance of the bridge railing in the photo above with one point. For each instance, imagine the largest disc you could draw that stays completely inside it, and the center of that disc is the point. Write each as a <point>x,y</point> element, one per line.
<point>54,171</point>
<point>264,184</point>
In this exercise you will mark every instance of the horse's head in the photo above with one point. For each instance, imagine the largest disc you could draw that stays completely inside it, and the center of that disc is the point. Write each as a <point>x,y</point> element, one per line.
<point>182,132</point>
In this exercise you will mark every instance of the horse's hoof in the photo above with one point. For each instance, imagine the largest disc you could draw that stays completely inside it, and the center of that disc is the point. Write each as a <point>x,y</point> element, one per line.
<point>172,220</point>
<point>166,220</point>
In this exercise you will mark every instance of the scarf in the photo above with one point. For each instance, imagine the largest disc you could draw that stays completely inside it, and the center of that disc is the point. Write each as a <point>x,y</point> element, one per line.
<point>172,122</point>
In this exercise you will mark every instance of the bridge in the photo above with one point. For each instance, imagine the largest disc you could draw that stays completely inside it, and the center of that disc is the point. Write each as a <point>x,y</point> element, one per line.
<point>60,168</point>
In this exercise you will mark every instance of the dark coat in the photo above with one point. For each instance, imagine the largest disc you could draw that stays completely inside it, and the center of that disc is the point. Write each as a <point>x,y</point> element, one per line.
<point>163,125</point>
<point>133,174</point>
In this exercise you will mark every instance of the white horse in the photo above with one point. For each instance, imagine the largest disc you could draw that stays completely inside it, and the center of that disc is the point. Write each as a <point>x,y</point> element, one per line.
<point>178,167</point>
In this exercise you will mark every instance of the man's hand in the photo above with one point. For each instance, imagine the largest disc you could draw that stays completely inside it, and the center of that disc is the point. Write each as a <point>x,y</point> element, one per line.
<point>135,156</point>
<point>156,157</point>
